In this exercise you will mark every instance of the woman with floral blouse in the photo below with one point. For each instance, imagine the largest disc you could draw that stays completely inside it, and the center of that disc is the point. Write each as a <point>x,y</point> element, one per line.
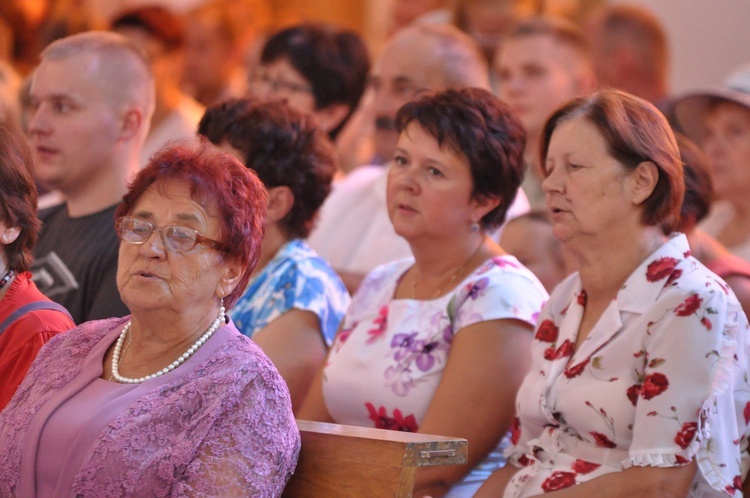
<point>439,343</point>
<point>639,377</point>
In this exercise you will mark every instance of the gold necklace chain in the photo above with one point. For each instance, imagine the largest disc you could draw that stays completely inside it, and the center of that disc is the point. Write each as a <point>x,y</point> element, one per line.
<point>455,275</point>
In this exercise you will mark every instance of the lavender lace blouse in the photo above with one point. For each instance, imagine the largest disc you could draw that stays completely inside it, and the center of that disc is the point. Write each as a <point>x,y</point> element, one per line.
<point>219,425</point>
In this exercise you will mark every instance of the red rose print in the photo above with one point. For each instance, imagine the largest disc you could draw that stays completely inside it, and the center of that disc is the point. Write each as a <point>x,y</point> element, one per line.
<point>661,268</point>
<point>746,412</point>
<point>524,461</point>
<point>547,331</point>
<point>380,323</point>
<point>515,431</point>
<point>654,384</point>
<point>581,299</point>
<point>707,323</point>
<point>565,349</point>
<point>559,480</point>
<point>674,276</point>
<point>396,423</point>
<point>576,370</point>
<point>633,392</point>
<point>681,459</point>
<point>737,482</point>
<point>584,467</point>
<point>689,306</point>
<point>686,434</point>
<point>602,440</point>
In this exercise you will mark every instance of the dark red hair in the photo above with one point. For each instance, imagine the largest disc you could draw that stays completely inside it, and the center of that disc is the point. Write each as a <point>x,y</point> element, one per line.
<point>17,196</point>
<point>219,179</point>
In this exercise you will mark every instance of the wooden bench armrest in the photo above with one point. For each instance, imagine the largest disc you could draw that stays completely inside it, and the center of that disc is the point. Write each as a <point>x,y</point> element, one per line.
<point>347,461</point>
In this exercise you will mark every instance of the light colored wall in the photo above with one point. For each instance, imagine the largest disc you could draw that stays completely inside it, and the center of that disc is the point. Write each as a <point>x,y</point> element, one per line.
<point>708,38</point>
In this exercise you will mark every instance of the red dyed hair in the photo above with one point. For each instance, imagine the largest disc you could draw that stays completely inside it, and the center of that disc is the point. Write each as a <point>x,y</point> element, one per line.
<point>214,178</point>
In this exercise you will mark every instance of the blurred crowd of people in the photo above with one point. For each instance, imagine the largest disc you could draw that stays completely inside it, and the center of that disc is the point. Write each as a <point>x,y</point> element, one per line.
<point>500,225</point>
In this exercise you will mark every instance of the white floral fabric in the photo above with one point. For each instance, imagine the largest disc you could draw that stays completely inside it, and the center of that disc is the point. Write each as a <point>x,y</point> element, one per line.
<point>662,379</point>
<point>390,354</point>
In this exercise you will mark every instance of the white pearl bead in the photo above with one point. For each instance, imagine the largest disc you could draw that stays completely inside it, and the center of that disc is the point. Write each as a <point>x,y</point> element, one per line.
<point>179,361</point>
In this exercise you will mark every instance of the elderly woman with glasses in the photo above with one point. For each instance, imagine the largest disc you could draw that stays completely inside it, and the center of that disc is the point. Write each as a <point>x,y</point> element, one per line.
<point>171,400</point>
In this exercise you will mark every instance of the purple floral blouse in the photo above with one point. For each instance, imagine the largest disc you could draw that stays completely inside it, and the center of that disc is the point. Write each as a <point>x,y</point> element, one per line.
<point>389,355</point>
<point>219,425</point>
<point>662,379</point>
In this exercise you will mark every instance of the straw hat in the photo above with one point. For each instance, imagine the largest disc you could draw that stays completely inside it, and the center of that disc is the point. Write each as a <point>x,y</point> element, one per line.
<point>690,109</point>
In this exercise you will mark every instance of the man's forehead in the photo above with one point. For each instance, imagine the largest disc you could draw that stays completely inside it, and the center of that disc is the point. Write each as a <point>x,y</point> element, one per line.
<point>410,59</point>
<point>82,77</point>
<point>540,49</point>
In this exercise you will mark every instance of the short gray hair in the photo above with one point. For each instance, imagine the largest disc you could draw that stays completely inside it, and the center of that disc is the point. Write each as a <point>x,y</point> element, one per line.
<point>457,56</point>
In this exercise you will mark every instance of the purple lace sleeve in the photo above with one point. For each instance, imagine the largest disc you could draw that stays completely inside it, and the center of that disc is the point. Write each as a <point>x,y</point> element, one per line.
<point>251,451</point>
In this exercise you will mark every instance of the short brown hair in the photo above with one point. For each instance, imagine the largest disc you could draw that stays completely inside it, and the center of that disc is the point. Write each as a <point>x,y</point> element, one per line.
<point>482,128</point>
<point>635,132</point>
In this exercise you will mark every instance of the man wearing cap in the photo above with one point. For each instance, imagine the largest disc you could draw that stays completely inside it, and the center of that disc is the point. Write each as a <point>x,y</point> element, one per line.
<point>718,119</point>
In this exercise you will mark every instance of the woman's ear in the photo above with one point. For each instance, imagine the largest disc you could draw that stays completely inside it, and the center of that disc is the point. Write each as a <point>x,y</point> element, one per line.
<point>280,202</point>
<point>231,274</point>
<point>644,180</point>
<point>482,205</point>
<point>9,235</point>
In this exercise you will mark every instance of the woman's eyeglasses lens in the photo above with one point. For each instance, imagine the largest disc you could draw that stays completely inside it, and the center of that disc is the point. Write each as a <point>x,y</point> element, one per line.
<point>174,237</point>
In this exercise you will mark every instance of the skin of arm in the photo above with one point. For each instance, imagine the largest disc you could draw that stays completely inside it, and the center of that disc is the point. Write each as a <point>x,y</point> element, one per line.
<point>295,345</point>
<point>741,288</point>
<point>351,280</point>
<point>494,487</point>
<point>644,482</point>
<point>314,407</point>
<point>476,396</point>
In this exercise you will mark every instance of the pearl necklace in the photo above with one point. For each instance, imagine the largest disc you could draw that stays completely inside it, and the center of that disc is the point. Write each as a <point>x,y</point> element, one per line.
<point>179,361</point>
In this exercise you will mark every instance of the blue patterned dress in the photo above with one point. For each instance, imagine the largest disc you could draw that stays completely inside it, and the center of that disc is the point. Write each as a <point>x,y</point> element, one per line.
<point>296,278</point>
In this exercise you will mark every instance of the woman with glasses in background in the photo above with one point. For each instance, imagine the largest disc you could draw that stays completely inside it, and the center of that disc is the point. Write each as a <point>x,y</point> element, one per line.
<point>171,400</point>
<point>317,68</point>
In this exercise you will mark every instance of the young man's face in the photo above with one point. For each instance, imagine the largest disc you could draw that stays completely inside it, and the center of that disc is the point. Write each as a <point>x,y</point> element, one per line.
<point>536,75</point>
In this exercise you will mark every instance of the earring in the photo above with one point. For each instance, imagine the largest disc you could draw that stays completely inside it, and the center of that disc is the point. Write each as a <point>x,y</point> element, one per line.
<point>474,226</point>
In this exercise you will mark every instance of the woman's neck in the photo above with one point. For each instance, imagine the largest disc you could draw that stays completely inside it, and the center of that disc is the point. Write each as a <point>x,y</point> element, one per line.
<point>605,267</point>
<point>273,240</point>
<point>157,332</point>
<point>434,258</point>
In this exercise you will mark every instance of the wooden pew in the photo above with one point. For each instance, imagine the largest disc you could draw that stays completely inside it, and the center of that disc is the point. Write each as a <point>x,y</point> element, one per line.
<point>345,461</point>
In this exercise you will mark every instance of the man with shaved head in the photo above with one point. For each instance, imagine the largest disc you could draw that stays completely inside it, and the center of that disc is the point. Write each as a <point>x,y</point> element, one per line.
<point>92,97</point>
